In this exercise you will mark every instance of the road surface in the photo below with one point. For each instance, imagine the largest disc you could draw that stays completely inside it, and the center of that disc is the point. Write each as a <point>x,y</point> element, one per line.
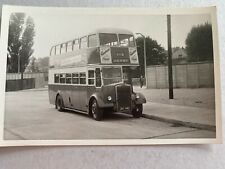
<point>29,116</point>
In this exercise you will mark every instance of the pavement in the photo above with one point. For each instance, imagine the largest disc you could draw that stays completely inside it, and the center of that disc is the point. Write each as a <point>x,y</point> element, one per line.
<point>190,107</point>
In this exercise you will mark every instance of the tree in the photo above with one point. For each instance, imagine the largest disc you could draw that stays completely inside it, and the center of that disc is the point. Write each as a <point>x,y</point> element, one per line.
<point>27,43</point>
<point>32,66</point>
<point>199,44</point>
<point>38,64</point>
<point>155,54</point>
<point>20,42</point>
<point>15,29</point>
<point>43,64</point>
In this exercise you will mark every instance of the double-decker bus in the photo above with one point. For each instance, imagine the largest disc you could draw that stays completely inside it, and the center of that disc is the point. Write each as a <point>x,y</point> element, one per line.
<point>91,74</point>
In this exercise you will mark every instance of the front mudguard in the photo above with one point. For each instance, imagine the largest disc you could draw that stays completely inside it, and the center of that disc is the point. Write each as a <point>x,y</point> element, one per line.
<point>140,99</point>
<point>98,98</point>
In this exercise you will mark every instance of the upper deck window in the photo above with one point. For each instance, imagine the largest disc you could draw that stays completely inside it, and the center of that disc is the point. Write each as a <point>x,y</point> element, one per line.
<point>83,42</point>
<point>108,39</point>
<point>92,40</point>
<point>69,46</point>
<point>75,44</point>
<point>57,50</point>
<point>52,51</point>
<point>63,48</point>
<point>126,40</point>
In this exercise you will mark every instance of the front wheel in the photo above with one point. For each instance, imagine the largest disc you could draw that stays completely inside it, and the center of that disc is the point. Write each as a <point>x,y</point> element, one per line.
<point>96,112</point>
<point>137,111</point>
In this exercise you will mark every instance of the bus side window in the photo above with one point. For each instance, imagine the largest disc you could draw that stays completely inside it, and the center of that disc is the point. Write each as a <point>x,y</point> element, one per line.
<point>91,77</point>
<point>62,78</point>
<point>56,78</point>
<point>75,78</point>
<point>98,77</point>
<point>92,40</point>
<point>68,78</point>
<point>75,44</point>
<point>83,42</point>
<point>83,78</point>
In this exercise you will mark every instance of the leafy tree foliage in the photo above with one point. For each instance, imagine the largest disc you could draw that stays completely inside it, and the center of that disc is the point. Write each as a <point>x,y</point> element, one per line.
<point>32,66</point>
<point>27,43</point>
<point>20,42</point>
<point>199,44</point>
<point>155,53</point>
<point>43,64</point>
<point>15,29</point>
<point>38,65</point>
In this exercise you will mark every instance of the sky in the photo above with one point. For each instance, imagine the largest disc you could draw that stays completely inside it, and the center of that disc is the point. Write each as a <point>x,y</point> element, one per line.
<point>56,28</point>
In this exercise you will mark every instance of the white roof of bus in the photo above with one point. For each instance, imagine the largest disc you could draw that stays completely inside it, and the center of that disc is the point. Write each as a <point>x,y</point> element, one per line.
<point>112,30</point>
<point>105,30</point>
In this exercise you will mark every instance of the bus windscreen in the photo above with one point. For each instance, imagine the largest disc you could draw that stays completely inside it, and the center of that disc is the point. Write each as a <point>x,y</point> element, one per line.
<point>111,75</point>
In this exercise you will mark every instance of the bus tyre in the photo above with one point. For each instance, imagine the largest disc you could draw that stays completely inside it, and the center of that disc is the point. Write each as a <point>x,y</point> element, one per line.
<point>137,111</point>
<point>59,103</point>
<point>97,113</point>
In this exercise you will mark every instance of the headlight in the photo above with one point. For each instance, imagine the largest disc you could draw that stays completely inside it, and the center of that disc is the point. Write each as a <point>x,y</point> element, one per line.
<point>109,98</point>
<point>137,96</point>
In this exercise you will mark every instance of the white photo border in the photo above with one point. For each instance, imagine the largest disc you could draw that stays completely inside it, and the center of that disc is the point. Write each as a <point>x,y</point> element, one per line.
<point>7,10</point>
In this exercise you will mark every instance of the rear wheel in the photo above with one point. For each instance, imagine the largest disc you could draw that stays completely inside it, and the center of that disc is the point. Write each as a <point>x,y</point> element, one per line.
<point>137,111</point>
<point>96,112</point>
<point>59,105</point>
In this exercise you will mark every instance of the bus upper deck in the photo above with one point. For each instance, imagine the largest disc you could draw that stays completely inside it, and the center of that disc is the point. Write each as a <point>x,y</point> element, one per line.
<point>104,46</point>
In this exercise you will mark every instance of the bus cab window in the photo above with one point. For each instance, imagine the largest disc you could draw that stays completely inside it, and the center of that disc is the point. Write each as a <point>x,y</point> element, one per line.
<point>91,76</point>
<point>56,78</point>
<point>111,75</point>
<point>83,42</point>
<point>75,78</point>
<point>83,78</point>
<point>98,77</point>
<point>68,78</point>
<point>62,78</point>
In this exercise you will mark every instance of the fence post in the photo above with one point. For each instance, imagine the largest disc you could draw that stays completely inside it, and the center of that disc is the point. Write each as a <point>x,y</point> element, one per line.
<point>198,83</point>
<point>155,77</point>
<point>186,75</point>
<point>21,87</point>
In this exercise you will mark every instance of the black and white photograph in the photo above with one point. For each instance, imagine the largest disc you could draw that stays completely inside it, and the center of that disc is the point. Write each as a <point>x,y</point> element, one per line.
<point>117,76</point>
